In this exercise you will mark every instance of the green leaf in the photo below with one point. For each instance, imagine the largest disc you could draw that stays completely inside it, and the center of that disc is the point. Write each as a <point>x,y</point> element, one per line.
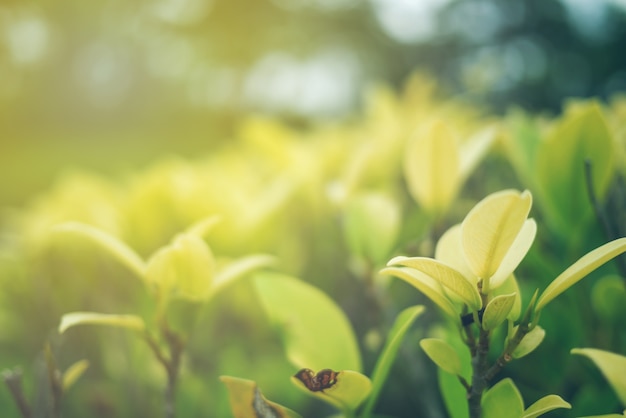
<point>606,416</point>
<point>510,286</point>
<point>73,373</point>
<point>503,400</point>
<point>582,135</point>
<point>247,401</point>
<point>530,342</point>
<point>454,395</point>
<point>371,226</point>
<point>612,366</point>
<point>112,245</point>
<point>585,265</point>
<point>238,269</point>
<point>316,332</point>
<point>442,354</point>
<point>497,310</point>
<point>403,322</point>
<point>445,275</point>
<point>490,229</point>
<point>72,319</point>
<point>348,392</point>
<point>425,284</point>
<point>431,167</point>
<point>545,404</point>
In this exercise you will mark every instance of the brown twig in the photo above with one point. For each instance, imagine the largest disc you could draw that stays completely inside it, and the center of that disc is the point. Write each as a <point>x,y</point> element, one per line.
<point>13,379</point>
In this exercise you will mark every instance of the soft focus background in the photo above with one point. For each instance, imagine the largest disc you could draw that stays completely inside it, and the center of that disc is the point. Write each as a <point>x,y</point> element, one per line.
<point>292,120</point>
<point>112,84</point>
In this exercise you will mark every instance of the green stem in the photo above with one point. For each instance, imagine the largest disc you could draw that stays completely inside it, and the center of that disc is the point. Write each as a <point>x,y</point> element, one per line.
<point>13,380</point>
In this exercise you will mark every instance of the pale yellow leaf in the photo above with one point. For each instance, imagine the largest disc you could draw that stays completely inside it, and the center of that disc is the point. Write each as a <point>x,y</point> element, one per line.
<point>72,319</point>
<point>491,227</point>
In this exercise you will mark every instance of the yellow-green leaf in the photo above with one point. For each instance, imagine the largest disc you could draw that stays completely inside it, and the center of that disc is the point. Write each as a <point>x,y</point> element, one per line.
<point>112,245</point>
<point>530,342</point>
<point>431,167</point>
<point>612,366</point>
<point>185,268</point>
<point>508,287</point>
<point>73,373</point>
<point>442,354</point>
<point>583,135</point>
<point>371,226</point>
<point>497,310</point>
<point>446,275</point>
<point>348,392</point>
<point>72,319</point>
<point>316,332</point>
<point>247,401</point>
<point>545,404</point>
<point>203,226</point>
<point>240,268</point>
<point>491,227</point>
<point>474,149</point>
<point>449,250</point>
<point>425,284</point>
<point>515,255</point>
<point>585,265</point>
<point>503,400</point>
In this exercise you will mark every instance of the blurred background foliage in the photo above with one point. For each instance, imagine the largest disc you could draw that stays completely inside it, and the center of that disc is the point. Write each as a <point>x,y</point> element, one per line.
<point>113,84</point>
<point>290,119</point>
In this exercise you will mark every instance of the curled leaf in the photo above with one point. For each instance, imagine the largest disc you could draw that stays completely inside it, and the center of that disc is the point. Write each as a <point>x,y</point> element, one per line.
<point>73,373</point>
<point>498,310</point>
<point>530,342</point>
<point>446,275</point>
<point>112,245</point>
<point>425,284</point>
<point>612,366</point>
<point>585,265</point>
<point>545,404</point>
<point>72,319</point>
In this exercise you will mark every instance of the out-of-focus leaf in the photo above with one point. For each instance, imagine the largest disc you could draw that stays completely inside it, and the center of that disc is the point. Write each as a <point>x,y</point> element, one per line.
<point>545,404</point>
<point>445,275</point>
<point>585,265</point>
<point>425,284</point>
<point>247,401</point>
<point>203,226</point>
<point>608,296</point>
<point>403,322</point>
<point>442,354</point>
<point>491,227</point>
<point>316,333</point>
<point>371,226</point>
<point>239,268</point>
<point>582,136</point>
<point>454,395</point>
<point>72,319</point>
<point>503,400</point>
<point>497,310</point>
<point>474,149</point>
<point>185,268</point>
<point>348,392</point>
<point>612,366</point>
<point>73,373</point>
<point>530,342</point>
<point>515,255</point>
<point>112,245</point>
<point>431,167</point>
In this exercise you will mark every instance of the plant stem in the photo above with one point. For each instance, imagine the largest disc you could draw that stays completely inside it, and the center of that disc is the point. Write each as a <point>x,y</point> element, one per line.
<point>479,364</point>
<point>13,379</point>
